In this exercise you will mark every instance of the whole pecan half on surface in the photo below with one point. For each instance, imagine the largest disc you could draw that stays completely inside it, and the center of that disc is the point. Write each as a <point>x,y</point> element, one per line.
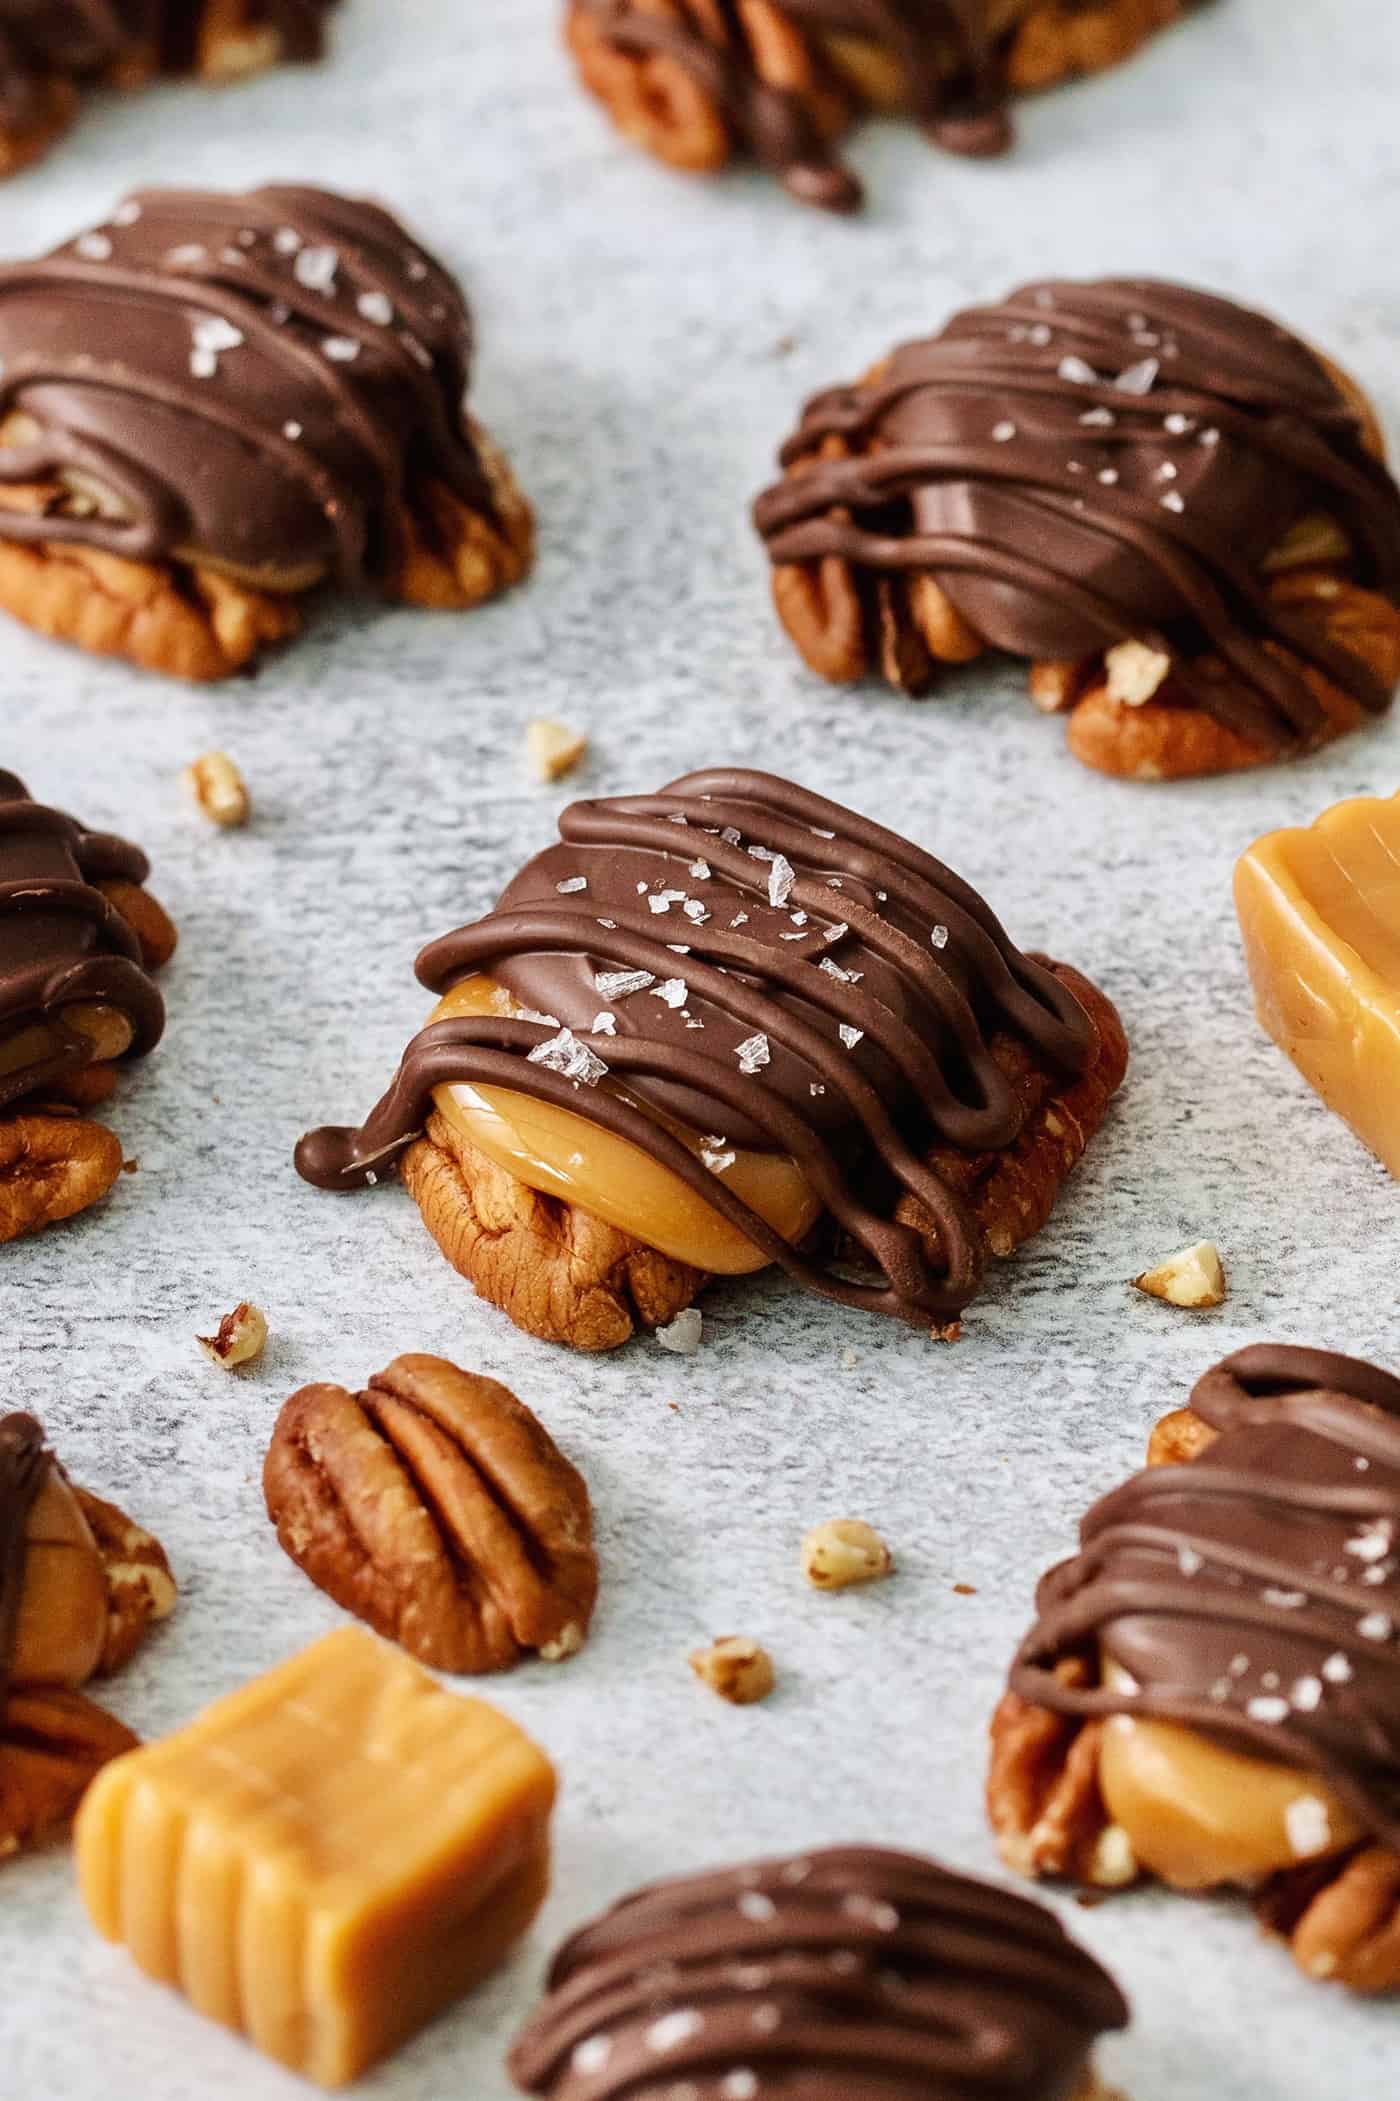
<point>435,1506</point>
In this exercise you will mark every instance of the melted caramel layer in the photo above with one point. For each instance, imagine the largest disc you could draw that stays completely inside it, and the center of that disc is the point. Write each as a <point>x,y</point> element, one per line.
<point>567,1156</point>
<point>1320,913</point>
<point>1198,1815</point>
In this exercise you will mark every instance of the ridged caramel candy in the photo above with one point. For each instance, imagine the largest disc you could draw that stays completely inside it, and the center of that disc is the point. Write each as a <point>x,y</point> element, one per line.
<point>325,1859</point>
<point>1320,912</point>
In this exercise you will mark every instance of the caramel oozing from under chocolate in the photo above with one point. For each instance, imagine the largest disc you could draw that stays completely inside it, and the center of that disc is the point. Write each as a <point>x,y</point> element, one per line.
<point>569,1156</point>
<point>1198,1814</point>
<point>63,1605</point>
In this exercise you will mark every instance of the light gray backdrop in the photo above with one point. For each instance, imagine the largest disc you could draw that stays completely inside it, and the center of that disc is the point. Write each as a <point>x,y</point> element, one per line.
<point>644,345</point>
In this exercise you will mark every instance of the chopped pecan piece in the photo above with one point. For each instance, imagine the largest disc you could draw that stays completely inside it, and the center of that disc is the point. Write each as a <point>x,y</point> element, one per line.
<point>437,1508</point>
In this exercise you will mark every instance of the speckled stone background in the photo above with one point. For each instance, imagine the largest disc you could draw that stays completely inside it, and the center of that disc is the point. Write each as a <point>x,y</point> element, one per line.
<point>644,346</point>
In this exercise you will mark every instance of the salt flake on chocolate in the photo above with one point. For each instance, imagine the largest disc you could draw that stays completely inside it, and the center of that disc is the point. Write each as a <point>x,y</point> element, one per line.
<point>753,1054</point>
<point>781,878</point>
<point>572,885</point>
<point>674,991</point>
<point>1140,378</point>
<point>619,984</point>
<point>376,307</point>
<point>565,1054</point>
<point>316,268</point>
<point>1077,372</point>
<point>341,350</point>
<point>849,1036</point>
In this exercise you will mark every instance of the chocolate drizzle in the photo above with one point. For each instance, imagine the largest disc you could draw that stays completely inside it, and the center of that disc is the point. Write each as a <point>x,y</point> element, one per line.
<point>1088,464</point>
<point>852,1972</point>
<point>258,382</point>
<point>950,59</point>
<point>1254,1593</point>
<point>24,1463</point>
<point>801,980</point>
<point>61,942</point>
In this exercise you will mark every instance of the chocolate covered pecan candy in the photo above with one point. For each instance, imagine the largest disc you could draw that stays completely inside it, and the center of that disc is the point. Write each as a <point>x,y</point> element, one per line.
<point>723,1026</point>
<point>1211,1692</point>
<point>80,941</point>
<point>696,82</point>
<point>53,51</point>
<point>848,1972</point>
<point>212,404</point>
<point>1176,510</point>
<point>80,1585</point>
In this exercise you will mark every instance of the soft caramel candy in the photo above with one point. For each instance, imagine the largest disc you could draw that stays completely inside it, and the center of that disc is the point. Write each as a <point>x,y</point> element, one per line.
<point>1320,913</point>
<point>564,1155</point>
<point>1198,1814</point>
<point>325,1859</point>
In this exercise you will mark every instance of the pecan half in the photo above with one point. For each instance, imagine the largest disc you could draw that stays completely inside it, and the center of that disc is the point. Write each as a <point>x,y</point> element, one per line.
<point>140,1587</point>
<point>1341,1918</point>
<point>1178,1438</point>
<point>560,1273</point>
<point>52,1167</point>
<point>1043,1796</point>
<point>436,1507</point>
<point>1169,739</point>
<point>455,557</point>
<point>53,1743</point>
<point>1012,1192</point>
<point>148,920</point>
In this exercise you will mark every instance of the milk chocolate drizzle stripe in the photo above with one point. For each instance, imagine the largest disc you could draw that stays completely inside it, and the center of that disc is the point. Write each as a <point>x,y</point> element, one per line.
<point>1313,433</point>
<point>251,297</point>
<point>99,962</point>
<point>490,1050</point>
<point>24,1462</point>
<point>778,126</point>
<point>877,1965</point>
<point>1208,1582</point>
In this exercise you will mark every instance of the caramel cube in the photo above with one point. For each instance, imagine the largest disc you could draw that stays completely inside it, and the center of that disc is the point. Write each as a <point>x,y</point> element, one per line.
<point>326,1858</point>
<point>1320,912</point>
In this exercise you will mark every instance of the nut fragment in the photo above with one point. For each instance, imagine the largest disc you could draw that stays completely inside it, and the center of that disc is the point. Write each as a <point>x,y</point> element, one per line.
<point>736,1668</point>
<point>438,1509</point>
<point>218,787</point>
<point>1135,672</point>
<point>1194,1277</point>
<point>241,1338</point>
<point>682,1335</point>
<point>553,749</point>
<point>843,1551</point>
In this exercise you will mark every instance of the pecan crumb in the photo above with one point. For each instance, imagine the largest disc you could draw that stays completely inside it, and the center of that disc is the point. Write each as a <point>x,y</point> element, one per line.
<point>736,1668</point>
<point>219,789</point>
<point>553,749</point>
<point>240,1339</point>
<point>844,1551</point>
<point>1194,1277</point>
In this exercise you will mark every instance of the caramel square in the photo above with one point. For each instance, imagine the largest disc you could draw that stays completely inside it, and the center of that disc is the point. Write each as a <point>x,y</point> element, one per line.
<point>325,1859</point>
<point>1320,912</point>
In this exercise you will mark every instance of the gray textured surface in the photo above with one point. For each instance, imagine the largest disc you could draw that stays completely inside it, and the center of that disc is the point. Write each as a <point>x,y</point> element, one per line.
<point>631,328</point>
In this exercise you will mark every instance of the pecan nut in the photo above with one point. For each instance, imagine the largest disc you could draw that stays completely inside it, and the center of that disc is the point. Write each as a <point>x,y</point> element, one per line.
<point>437,1508</point>
<point>53,1743</point>
<point>1043,1797</point>
<point>559,1272</point>
<point>139,1584</point>
<point>1341,1919</point>
<point>52,1167</point>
